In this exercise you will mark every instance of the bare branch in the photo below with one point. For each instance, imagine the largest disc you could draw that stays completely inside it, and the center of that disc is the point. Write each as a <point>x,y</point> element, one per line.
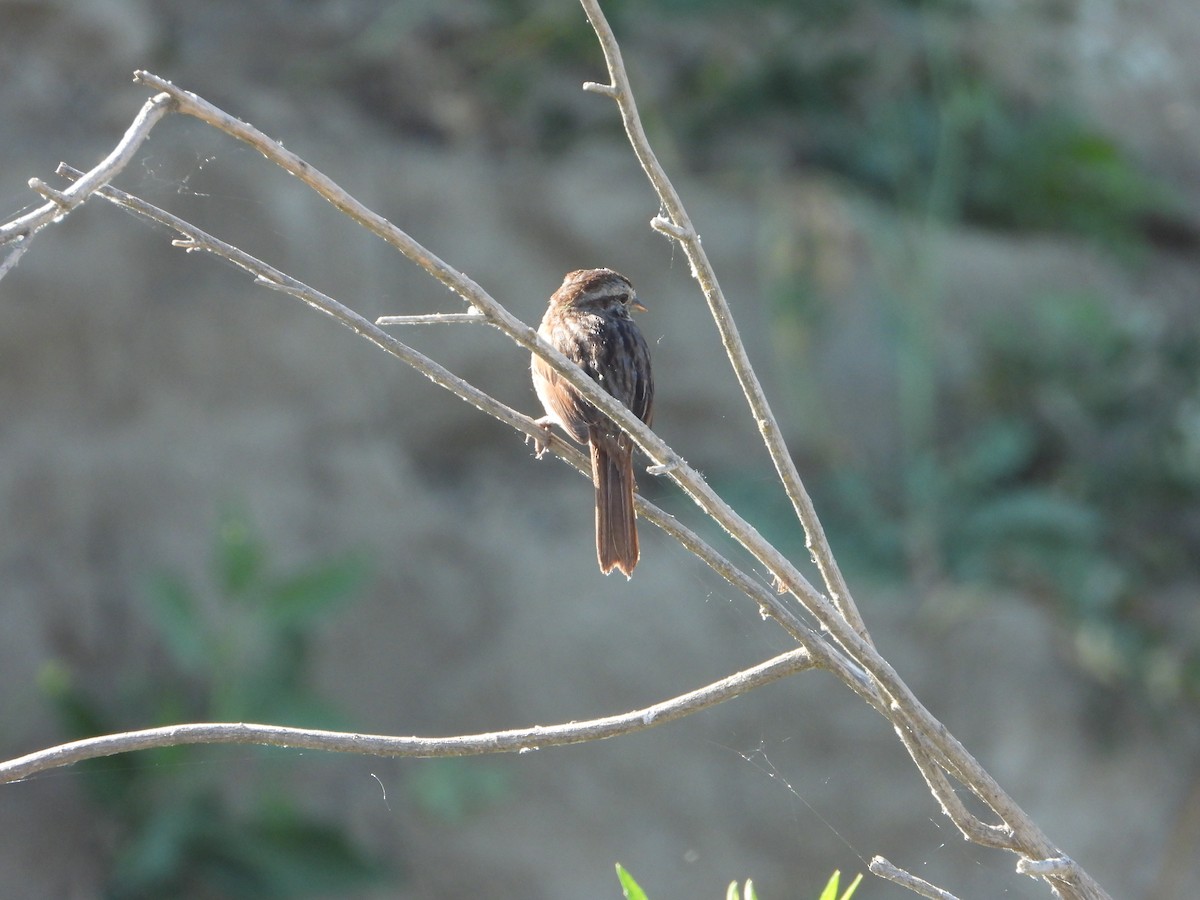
<point>884,869</point>
<point>514,741</point>
<point>24,227</point>
<point>472,317</point>
<point>194,239</point>
<point>692,483</point>
<point>933,748</point>
<point>906,711</point>
<point>678,224</point>
<point>970,825</point>
<point>14,255</point>
<point>1057,867</point>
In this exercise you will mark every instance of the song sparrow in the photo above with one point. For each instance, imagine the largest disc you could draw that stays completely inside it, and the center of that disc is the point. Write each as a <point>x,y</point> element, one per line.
<point>589,322</point>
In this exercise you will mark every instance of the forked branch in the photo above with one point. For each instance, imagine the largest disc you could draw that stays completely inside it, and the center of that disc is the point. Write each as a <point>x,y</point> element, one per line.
<point>850,654</point>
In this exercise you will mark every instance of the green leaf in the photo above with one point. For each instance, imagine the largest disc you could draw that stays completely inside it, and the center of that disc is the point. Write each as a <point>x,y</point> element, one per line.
<point>1033,514</point>
<point>999,451</point>
<point>852,887</point>
<point>631,888</point>
<point>831,887</point>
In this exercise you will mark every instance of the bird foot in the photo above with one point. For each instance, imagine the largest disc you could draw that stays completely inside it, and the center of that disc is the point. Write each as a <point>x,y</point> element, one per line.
<point>541,444</point>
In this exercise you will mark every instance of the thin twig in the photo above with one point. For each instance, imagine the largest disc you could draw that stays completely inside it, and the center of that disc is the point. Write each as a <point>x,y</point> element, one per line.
<point>471,317</point>
<point>679,226</point>
<point>971,826</point>
<point>14,255</point>
<point>512,741</point>
<point>1057,867</point>
<point>63,202</point>
<point>660,453</point>
<point>884,869</point>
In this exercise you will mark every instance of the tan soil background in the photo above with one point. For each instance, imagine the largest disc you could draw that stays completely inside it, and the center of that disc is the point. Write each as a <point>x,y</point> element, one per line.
<point>141,388</point>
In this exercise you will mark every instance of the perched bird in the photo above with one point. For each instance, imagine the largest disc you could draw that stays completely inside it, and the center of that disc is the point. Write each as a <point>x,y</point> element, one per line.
<point>589,322</point>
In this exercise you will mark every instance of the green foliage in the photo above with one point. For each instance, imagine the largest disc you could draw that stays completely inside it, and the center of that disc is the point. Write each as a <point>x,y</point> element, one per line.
<point>235,650</point>
<point>633,890</point>
<point>748,893</point>
<point>961,148</point>
<point>912,112</point>
<point>1067,468</point>
<point>1051,171</point>
<point>919,121</point>
<point>831,888</point>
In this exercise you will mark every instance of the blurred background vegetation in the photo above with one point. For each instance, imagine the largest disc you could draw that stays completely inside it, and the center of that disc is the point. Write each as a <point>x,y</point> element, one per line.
<point>1066,463</point>
<point>1046,448</point>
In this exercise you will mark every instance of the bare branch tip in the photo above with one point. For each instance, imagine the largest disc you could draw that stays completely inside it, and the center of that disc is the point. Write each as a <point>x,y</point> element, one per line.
<point>665,468</point>
<point>1041,868</point>
<point>53,195</point>
<point>595,87</point>
<point>666,226</point>
<point>471,316</point>
<point>891,872</point>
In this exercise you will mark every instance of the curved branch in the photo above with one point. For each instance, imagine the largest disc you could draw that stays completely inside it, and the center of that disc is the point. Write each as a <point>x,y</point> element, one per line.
<point>666,460</point>
<point>514,741</point>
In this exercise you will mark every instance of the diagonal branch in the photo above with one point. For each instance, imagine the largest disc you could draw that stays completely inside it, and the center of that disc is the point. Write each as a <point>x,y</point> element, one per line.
<point>666,460</point>
<point>517,740</point>
<point>846,626</point>
<point>678,225</point>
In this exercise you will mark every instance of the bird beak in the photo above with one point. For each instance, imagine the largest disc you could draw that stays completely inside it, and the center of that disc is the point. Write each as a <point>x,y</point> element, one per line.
<point>638,306</point>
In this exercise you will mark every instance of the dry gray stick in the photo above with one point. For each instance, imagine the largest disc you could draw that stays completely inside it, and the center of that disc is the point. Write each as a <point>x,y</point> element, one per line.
<point>666,460</point>
<point>517,740</point>
<point>906,712</point>
<point>884,869</point>
<point>471,318</point>
<point>62,202</point>
<point>678,225</point>
<point>663,456</point>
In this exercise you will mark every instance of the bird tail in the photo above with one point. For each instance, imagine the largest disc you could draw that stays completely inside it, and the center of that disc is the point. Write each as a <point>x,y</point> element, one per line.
<point>616,529</point>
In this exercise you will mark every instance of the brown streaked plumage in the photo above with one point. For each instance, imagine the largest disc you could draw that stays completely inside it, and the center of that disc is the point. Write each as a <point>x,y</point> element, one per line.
<point>589,322</point>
